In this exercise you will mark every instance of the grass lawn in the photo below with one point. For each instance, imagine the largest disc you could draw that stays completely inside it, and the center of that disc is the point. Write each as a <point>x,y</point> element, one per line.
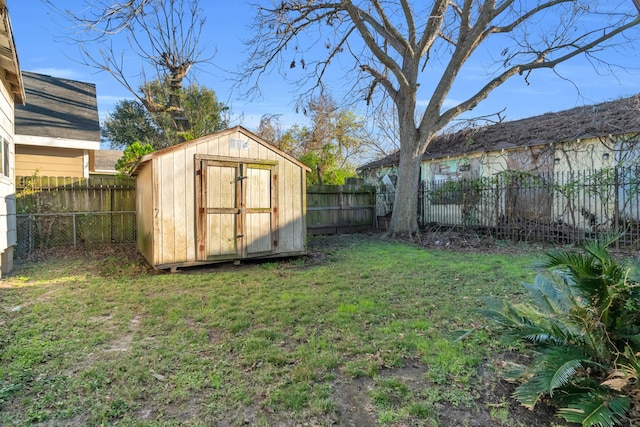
<point>361,332</point>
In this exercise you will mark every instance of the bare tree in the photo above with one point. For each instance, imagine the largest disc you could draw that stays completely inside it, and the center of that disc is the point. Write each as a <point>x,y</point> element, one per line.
<point>270,128</point>
<point>404,49</point>
<point>382,133</point>
<point>164,34</point>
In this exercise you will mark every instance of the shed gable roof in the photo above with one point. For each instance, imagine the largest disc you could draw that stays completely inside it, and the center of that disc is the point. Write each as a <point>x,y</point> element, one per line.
<point>58,108</point>
<point>618,117</point>
<point>240,129</point>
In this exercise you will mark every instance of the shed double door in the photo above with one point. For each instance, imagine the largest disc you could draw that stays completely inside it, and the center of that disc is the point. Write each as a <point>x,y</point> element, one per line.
<point>237,216</point>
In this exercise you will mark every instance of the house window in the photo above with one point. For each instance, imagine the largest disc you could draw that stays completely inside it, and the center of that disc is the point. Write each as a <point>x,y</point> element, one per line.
<point>446,187</point>
<point>5,157</point>
<point>444,169</point>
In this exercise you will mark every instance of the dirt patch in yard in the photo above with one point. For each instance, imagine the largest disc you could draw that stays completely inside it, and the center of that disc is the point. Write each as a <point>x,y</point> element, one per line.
<point>492,407</point>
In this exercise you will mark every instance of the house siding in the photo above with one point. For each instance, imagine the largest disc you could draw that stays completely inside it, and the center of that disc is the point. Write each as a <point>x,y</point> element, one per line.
<point>8,237</point>
<point>49,161</point>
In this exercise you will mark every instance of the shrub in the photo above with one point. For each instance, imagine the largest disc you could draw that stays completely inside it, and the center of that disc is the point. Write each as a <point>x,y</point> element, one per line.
<point>583,332</point>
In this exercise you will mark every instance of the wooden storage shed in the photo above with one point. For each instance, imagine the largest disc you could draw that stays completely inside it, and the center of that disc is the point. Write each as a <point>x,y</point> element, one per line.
<point>223,197</point>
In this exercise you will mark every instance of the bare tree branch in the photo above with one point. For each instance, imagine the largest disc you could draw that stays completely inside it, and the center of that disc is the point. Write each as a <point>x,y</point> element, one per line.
<point>411,48</point>
<point>164,34</point>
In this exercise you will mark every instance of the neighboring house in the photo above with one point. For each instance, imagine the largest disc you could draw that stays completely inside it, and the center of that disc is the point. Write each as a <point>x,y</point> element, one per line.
<point>58,128</point>
<point>103,162</point>
<point>12,92</point>
<point>561,144</point>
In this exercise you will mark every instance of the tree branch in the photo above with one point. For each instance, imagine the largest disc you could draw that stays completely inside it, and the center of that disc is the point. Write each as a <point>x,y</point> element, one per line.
<point>539,62</point>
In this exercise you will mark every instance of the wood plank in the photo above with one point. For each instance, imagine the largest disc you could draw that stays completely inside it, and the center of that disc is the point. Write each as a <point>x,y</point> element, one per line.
<point>191,180</point>
<point>166,212</point>
<point>201,216</point>
<point>338,209</point>
<point>221,235</point>
<point>259,228</point>
<point>221,198</point>
<point>258,209</point>
<point>182,207</point>
<point>275,208</point>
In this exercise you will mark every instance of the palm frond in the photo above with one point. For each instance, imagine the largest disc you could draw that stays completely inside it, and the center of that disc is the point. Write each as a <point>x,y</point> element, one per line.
<point>530,392</point>
<point>548,296</point>
<point>502,313</point>
<point>552,370</point>
<point>598,250</point>
<point>580,271</point>
<point>596,409</point>
<point>542,338</point>
<point>583,325</point>
<point>564,373</point>
<point>564,259</point>
<point>513,371</point>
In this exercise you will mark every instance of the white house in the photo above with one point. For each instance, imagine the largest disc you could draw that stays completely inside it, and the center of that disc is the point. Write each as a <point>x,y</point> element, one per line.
<point>12,93</point>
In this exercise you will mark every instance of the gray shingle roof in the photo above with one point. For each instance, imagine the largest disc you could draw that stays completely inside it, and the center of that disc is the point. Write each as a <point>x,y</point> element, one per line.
<point>621,116</point>
<point>58,108</point>
<point>105,160</point>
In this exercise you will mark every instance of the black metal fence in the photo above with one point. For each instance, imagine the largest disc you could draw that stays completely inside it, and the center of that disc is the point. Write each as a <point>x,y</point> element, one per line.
<point>564,207</point>
<point>42,231</point>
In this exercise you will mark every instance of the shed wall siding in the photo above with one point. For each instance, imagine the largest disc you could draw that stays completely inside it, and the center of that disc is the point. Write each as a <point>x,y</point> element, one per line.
<point>144,213</point>
<point>189,203</point>
<point>176,217</point>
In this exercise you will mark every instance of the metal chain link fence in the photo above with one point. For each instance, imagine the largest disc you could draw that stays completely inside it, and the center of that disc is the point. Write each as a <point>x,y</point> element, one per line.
<point>38,232</point>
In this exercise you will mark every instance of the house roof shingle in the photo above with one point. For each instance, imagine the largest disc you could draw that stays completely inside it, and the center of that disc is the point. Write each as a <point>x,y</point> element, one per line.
<point>58,108</point>
<point>616,117</point>
<point>105,160</point>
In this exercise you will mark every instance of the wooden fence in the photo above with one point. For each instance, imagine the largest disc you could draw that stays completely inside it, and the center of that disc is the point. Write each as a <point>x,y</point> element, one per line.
<point>334,209</point>
<point>43,194</point>
<point>59,211</point>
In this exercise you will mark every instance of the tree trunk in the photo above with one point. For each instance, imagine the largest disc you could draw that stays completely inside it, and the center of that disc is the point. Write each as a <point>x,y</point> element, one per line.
<point>404,219</point>
<point>175,109</point>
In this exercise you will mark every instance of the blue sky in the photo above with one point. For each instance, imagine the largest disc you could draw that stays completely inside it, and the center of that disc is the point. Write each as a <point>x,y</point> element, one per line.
<point>41,49</point>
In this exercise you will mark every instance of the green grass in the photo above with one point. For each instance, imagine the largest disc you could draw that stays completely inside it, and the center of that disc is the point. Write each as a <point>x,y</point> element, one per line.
<point>88,341</point>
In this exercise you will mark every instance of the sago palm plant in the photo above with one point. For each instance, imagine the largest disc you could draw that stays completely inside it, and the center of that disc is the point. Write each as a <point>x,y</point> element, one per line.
<point>583,328</point>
